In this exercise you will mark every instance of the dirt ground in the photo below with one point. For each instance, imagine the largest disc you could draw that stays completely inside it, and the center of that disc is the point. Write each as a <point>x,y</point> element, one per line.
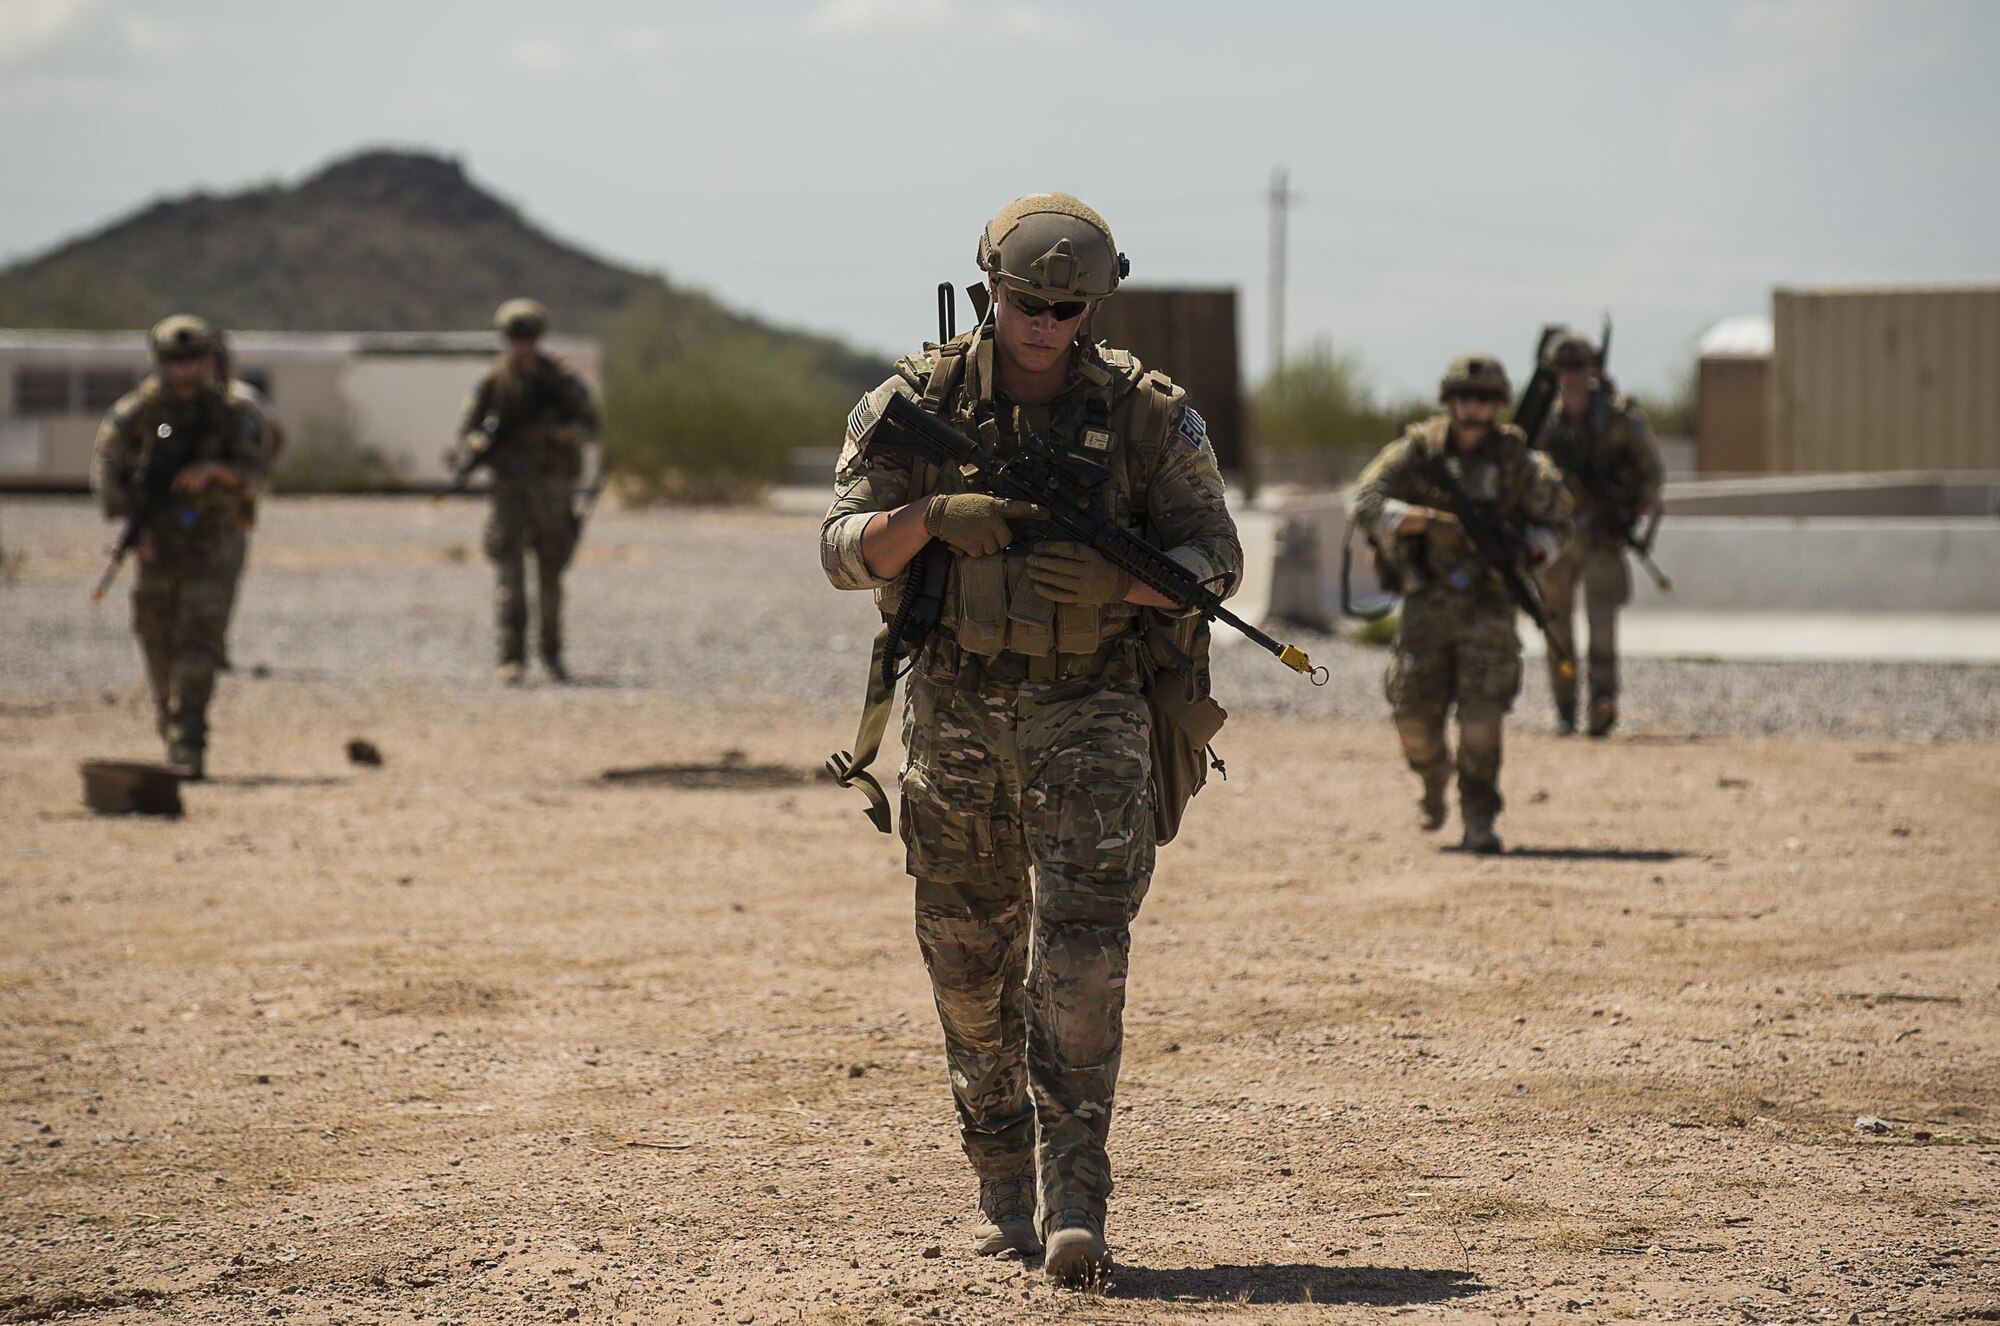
<point>480,1035</point>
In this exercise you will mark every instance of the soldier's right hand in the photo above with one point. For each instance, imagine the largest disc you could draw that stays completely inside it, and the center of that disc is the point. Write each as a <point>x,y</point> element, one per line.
<point>976,523</point>
<point>476,442</point>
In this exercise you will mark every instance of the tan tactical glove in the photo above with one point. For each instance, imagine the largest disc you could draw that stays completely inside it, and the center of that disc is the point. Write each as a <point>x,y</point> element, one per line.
<point>976,522</point>
<point>1076,573</point>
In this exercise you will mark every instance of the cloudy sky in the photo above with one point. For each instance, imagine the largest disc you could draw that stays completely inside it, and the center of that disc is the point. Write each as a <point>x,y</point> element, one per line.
<point>1467,169</point>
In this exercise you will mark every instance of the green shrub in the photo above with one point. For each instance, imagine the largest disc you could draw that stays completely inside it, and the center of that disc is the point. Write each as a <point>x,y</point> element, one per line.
<point>1317,418</point>
<point>709,409</point>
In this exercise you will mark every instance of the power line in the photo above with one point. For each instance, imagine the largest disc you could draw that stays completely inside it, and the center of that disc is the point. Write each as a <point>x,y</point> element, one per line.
<point>1282,202</point>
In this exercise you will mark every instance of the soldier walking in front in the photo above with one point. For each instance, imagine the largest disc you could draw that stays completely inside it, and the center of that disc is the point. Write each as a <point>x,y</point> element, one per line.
<point>1025,804</point>
<point>206,456</point>
<point>1599,439</point>
<point>1457,645</point>
<point>527,420</point>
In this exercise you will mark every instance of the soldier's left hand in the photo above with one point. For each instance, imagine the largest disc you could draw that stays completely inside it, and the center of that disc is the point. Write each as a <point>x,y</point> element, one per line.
<point>1076,573</point>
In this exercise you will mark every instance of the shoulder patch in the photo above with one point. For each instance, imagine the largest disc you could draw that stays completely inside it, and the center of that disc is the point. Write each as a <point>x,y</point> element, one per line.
<point>1192,428</point>
<point>861,418</point>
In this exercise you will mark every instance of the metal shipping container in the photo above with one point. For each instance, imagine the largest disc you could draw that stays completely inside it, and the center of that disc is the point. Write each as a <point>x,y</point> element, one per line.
<point>1889,379</point>
<point>1190,335</point>
<point>1733,414</point>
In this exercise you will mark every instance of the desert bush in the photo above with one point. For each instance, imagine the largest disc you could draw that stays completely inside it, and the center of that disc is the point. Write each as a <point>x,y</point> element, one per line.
<point>709,409</point>
<point>1318,420</point>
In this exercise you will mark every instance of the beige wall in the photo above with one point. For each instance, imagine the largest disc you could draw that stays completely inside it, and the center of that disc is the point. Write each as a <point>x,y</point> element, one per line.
<point>1886,380</point>
<point>408,408</point>
<point>1733,415</point>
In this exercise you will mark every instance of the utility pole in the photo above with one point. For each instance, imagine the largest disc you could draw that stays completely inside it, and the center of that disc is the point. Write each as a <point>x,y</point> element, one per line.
<point>1282,201</point>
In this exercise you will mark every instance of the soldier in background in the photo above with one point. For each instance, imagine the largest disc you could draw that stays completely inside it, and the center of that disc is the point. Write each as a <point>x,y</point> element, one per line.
<point>1457,644</point>
<point>1026,728</point>
<point>531,414</point>
<point>1611,465</point>
<point>246,397</point>
<point>191,550</point>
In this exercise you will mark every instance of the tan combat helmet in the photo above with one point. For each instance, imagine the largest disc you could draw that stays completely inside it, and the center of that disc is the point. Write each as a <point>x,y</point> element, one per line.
<point>521,318</point>
<point>1054,247</point>
<point>1571,349</point>
<point>1480,373</point>
<point>182,336</point>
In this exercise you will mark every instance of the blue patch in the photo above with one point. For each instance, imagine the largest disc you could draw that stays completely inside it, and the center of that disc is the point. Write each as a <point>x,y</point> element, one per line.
<point>1192,427</point>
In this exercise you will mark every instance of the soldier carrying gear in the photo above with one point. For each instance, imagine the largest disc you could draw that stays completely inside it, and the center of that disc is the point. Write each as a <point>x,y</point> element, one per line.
<point>1029,712</point>
<point>271,436</point>
<point>1456,646</point>
<point>1599,439</point>
<point>527,420</point>
<point>178,461</point>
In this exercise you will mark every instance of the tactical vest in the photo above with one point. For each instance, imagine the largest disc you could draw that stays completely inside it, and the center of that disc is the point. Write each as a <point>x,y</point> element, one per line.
<point>221,435</point>
<point>990,608</point>
<point>1442,557</point>
<point>1595,454</point>
<point>532,454</point>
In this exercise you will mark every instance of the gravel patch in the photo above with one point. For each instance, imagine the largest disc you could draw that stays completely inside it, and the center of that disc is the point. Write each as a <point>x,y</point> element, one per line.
<point>728,607</point>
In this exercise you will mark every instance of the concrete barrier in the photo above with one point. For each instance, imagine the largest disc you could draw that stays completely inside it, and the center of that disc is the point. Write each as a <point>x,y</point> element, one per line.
<point>1716,563</point>
<point>1828,564</point>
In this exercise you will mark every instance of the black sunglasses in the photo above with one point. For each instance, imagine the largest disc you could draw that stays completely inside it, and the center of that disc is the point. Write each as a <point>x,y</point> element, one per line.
<point>1034,308</point>
<point>1492,397</point>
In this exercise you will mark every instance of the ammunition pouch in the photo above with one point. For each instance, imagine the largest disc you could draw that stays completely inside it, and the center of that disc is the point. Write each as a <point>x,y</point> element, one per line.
<point>1185,718</point>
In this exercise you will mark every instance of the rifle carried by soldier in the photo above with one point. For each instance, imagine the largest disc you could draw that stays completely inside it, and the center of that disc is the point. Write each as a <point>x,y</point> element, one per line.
<point>1537,400</point>
<point>1063,485</point>
<point>169,454</point>
<point>502,430</point>
<point>1497,543</point>
<point>1618,520</point>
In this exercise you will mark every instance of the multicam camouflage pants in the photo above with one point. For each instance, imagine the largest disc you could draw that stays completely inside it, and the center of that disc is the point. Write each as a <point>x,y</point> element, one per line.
<point>1599,562</point>
<point>529,514</point>
<point>1029,977</point>
<point>1463,650</point>
<point>181,600</point>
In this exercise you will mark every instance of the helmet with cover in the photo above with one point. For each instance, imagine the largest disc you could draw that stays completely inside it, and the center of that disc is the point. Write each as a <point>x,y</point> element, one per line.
<point>1572,349</point>
<point>1054,247</point>
<point>181,336</point>
<point>1477,374</point>
<point>521,318</point>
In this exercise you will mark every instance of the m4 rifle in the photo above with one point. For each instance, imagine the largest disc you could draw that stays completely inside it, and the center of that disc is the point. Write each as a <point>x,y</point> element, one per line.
<point>1063,483</point>
<point>1497,543</point>
<point>169,454</point>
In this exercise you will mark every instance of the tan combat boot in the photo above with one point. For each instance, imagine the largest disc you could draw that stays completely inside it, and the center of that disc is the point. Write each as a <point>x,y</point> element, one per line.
<point>1431,810</point>
<point>1077,1255</point>
<point>1006,1217</point>
<point>1603,715</point>
<point>512,673</point>
<point>1479,837</point>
